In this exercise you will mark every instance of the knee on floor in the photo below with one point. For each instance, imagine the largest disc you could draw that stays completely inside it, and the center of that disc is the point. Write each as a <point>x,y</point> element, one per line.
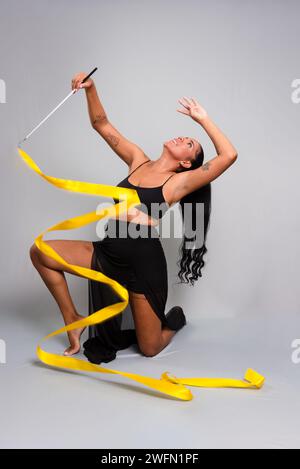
<point>149,350</point>
<point>33,252</point>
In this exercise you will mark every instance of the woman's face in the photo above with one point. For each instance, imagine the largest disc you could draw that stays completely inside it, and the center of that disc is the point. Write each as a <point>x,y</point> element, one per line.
<point>183,148</point>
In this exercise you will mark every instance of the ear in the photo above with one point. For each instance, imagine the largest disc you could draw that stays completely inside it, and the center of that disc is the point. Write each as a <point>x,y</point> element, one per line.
<point>185,164</point>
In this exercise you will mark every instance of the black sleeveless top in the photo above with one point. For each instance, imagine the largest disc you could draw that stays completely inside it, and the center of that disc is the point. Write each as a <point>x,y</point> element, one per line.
<point>152,199</point>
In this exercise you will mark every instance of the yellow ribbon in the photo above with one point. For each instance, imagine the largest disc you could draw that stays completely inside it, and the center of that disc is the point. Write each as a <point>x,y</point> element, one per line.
<point>170,385</point>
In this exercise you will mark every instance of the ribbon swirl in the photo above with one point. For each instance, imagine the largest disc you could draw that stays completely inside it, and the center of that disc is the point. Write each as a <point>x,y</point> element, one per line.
<point>170,385</point>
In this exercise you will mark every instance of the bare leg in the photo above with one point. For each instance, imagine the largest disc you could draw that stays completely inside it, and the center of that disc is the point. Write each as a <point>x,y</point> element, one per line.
<point>74,252</point>
<point>166,337</point>
<point>152,338</point>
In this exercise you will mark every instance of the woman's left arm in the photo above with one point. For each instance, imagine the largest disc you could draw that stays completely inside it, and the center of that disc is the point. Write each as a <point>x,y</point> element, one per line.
<point>222,144</point>
<point>189,181</point>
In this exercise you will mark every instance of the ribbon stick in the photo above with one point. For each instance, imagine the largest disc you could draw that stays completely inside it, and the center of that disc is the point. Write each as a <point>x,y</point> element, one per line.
<point>169,385</point>
<point>55,109</point>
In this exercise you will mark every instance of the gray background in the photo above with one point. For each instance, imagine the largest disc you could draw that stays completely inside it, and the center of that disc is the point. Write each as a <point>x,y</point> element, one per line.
<point>238,59</point>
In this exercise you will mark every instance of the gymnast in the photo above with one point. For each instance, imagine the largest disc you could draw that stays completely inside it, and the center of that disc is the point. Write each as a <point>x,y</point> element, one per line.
<point>178,175</point>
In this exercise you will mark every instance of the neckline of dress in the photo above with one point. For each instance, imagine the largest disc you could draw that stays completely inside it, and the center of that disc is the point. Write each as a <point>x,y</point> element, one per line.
<point>140,187</point>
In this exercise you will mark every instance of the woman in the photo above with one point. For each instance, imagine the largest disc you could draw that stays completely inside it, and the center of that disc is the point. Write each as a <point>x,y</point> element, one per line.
<point>178,175</point>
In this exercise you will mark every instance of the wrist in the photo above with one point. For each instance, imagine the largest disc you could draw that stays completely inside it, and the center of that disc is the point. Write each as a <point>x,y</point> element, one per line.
<point>201,120</point>
<point>91,89</point>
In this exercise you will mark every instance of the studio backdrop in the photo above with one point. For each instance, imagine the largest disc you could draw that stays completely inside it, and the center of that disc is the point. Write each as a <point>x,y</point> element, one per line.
<point>240,61</point>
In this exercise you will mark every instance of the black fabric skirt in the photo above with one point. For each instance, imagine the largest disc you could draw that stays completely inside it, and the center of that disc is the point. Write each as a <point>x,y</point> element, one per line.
<point>139,264</point>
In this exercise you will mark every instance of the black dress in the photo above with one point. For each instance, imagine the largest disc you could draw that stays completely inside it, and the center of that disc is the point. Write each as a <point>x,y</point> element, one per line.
<point>139,264</point>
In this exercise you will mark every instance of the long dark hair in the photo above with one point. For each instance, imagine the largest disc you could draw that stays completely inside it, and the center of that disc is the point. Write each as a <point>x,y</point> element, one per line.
<point>191,261</point>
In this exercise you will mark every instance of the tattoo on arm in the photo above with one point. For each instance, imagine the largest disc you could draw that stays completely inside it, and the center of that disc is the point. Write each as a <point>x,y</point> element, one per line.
<point>113,140</point>
<point>100,118</point>
<point>205,166</point>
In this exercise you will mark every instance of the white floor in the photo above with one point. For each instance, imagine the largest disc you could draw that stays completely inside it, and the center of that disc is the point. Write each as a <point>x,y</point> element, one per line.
<point>45,407</point>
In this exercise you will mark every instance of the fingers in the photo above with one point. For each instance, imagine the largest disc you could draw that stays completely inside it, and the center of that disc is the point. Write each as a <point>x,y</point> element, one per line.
<point>76,80</point>
<point>183,112</point>
<point>190,101</point>
<point>74,84</point>
<point>183,104</point>
<point>187,100</point>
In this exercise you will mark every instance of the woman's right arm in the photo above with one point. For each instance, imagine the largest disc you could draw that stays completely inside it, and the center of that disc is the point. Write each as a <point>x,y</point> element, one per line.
<point>96,111</point>
<point>128,151</point>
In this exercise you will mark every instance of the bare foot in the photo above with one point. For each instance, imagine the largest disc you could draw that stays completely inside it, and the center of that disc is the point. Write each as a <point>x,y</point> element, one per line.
<point>74,338</point>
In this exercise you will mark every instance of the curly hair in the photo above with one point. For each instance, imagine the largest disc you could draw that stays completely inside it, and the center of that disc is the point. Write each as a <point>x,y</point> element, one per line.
<point>191,262</point>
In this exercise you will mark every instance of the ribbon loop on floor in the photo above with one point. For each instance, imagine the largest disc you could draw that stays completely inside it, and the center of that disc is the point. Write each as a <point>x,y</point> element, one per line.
<point>166,384</point>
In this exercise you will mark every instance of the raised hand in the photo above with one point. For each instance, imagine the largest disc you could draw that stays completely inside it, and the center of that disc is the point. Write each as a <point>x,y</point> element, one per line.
<point>78,78</point>
<point>192,109</point>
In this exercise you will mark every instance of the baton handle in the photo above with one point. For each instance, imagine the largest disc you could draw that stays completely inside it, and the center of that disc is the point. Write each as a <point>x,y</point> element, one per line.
<point>88,76</point>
